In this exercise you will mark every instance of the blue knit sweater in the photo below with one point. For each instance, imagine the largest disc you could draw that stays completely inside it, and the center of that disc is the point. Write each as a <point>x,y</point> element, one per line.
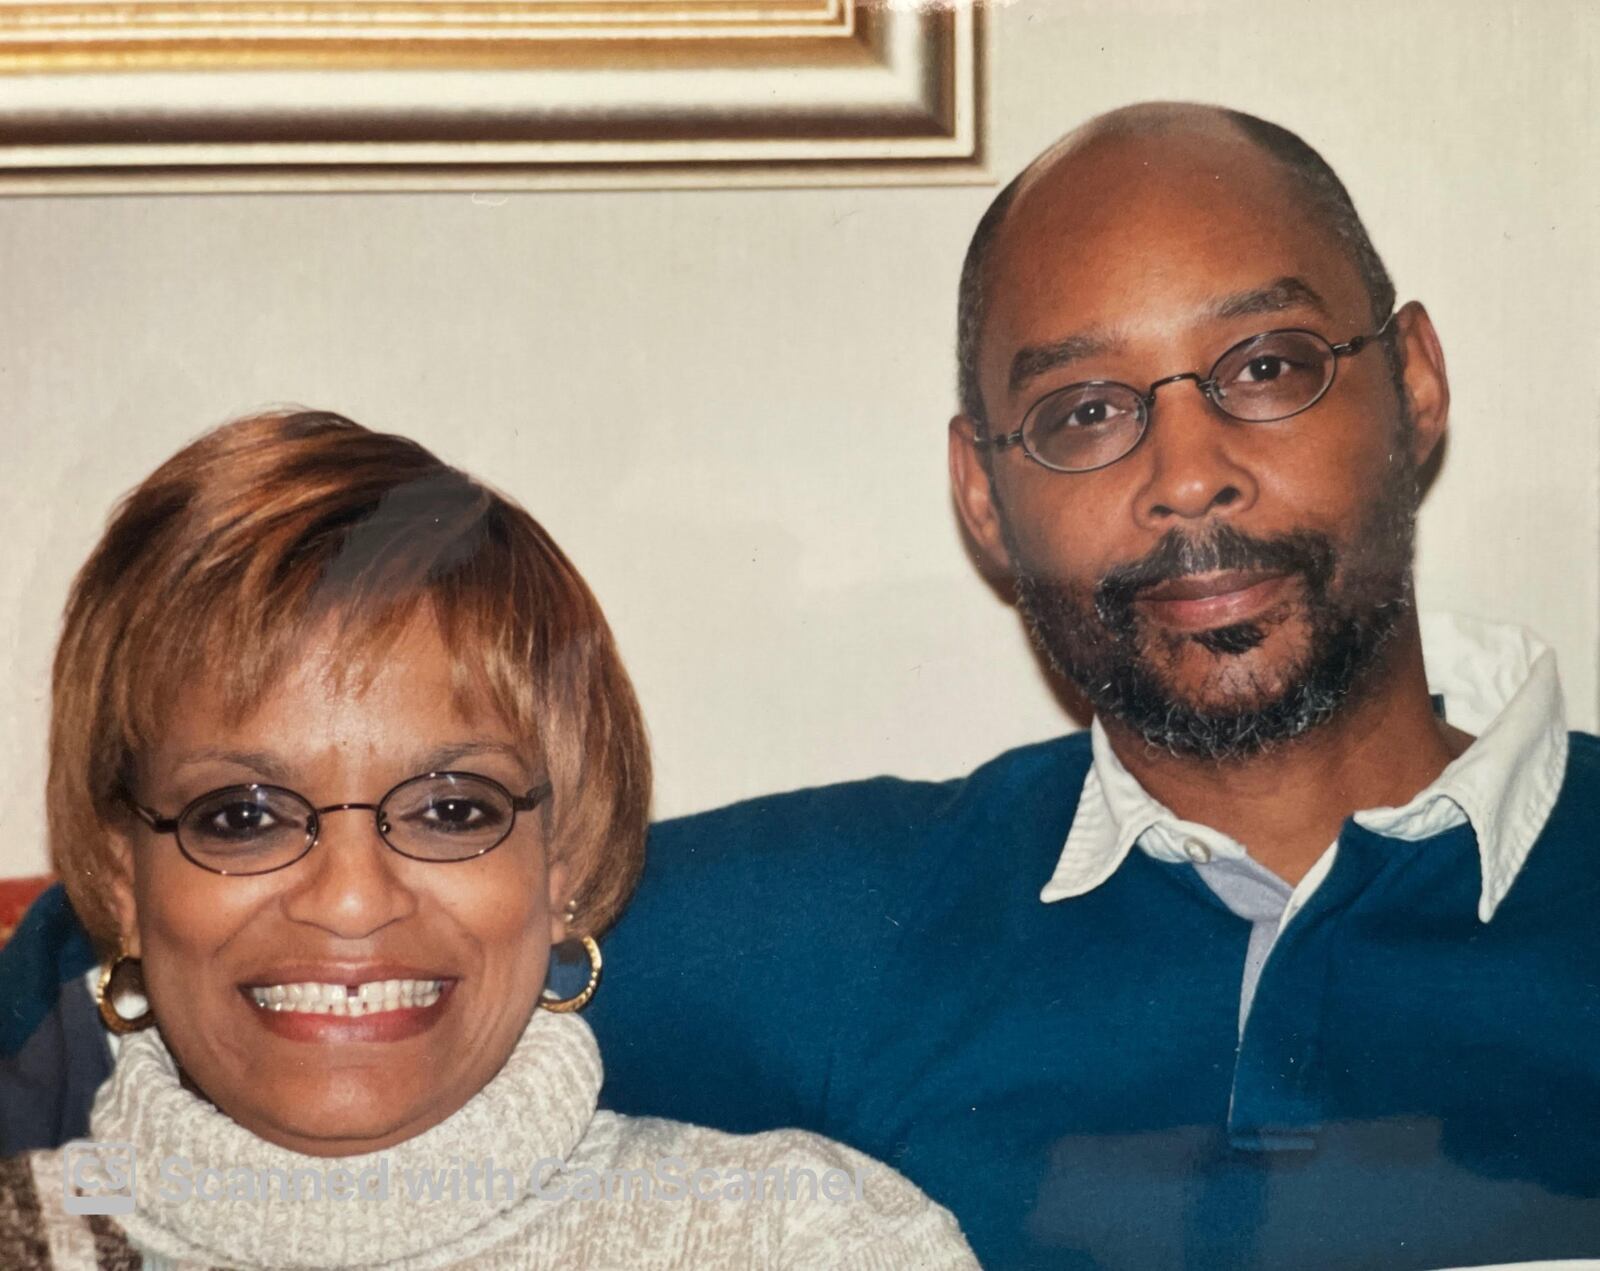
<point>1414,1088</point>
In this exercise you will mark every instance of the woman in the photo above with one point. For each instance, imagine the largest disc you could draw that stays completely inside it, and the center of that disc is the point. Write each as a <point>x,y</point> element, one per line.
<point>341,748</point>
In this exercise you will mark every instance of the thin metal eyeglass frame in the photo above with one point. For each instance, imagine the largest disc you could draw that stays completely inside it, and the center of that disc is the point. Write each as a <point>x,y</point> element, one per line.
<point>1207,385</point>
<point>169,824</point>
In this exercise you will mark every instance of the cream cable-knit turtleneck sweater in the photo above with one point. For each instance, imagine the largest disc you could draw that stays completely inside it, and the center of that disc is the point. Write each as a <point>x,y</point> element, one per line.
<point>609,1192</point>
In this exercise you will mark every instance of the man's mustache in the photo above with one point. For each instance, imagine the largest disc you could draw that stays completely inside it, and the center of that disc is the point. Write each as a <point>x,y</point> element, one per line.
<point>1178,555</point>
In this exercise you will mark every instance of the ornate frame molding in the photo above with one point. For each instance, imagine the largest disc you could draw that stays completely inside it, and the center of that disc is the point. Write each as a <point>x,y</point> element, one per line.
<point>101,96</point>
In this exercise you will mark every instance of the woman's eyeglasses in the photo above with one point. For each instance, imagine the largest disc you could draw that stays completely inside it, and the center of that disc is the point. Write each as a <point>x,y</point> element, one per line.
<point>255,829</point>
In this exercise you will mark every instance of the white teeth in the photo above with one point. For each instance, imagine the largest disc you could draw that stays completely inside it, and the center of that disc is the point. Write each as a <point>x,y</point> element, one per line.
<point>354,1000</point>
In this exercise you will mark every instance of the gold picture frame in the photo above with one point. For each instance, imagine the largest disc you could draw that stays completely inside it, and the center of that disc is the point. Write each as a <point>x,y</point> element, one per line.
<point>122,95</point>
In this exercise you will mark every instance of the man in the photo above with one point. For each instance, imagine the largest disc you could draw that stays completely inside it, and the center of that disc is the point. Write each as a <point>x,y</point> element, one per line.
<point>1278,966</point>
<point>1286,962</point>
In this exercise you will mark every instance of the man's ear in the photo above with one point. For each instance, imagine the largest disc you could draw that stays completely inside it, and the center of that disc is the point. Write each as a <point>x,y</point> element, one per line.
<point>1426,383</point>
<point>119,887</point>
<point>972,485</point>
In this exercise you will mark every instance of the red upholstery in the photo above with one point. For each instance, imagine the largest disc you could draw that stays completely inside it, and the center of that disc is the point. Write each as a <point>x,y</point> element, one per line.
<point>16,894</point>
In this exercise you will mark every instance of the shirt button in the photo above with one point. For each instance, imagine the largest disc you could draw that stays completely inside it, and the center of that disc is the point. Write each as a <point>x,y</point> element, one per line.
<point>1196,851</point>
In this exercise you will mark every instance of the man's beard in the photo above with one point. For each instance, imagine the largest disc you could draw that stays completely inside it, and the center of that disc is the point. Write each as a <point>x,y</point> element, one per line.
<point>1351,602</point>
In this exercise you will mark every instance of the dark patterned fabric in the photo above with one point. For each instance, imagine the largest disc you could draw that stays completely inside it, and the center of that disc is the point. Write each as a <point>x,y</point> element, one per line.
<point>111,1249</point>
<point>22,1241</point>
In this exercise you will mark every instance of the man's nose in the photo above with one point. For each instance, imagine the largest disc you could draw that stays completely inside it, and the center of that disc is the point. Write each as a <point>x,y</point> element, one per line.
<point>350,883</point>
<point>1193,468</point>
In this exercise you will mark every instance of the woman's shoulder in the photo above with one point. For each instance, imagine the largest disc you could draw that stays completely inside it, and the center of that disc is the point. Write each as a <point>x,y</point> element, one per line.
<point>40,1231</point>
<point>633,1141</point>
<point>821,1202</point>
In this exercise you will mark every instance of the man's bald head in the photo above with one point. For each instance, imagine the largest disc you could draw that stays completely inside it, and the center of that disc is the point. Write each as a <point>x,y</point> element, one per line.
<point>1313,183</point>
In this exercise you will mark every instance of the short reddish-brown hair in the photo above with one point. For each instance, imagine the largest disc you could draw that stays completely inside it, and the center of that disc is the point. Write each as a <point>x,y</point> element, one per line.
<point>225,559</point>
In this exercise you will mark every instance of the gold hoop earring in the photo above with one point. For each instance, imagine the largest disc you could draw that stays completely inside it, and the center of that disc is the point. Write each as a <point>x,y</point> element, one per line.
<point>108,991</point>
<point>561,1005</point>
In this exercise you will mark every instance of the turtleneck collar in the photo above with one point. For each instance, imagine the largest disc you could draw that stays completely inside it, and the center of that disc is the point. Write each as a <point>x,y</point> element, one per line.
<point>535,1109</point>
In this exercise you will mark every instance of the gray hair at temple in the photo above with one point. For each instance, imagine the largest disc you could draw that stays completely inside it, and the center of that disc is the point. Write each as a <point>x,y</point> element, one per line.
<point>1324,194</point>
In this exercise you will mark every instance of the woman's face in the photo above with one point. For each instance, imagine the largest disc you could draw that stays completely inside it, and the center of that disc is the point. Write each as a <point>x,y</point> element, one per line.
<point>351,912</point>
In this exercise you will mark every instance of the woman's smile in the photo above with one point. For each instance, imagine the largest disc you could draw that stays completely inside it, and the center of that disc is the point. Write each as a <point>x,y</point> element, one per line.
<point>338,1005</point>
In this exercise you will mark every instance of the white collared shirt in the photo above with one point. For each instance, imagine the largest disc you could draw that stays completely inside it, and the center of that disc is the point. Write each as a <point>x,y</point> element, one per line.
<point>1498,682</point>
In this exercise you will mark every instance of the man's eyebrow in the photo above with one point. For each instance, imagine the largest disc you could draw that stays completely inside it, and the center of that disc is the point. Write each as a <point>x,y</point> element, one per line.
<point>1036,359</point>
<point>1280,294</point>
<point>1276,296</point>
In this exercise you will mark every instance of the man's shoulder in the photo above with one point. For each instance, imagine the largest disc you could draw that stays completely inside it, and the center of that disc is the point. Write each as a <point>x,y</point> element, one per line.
<point>1584,751</point>
<point>1578,801</point>
<point>1579,792</point>
<point>48,949</point>
<point>879,816</point>
<point>812,890</point>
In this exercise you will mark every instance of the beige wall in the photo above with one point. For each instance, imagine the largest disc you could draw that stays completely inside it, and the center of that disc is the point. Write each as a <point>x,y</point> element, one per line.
<point>730,406</point>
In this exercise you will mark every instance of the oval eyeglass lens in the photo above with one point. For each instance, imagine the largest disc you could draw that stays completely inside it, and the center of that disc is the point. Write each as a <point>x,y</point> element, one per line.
<point>246,829</point>
<point>1274,375</point>
<point>446,818</point>
<point>1084,426</point>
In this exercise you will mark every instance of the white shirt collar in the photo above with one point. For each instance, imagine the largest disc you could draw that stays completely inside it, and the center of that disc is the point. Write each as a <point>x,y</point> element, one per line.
<point>1498,682</point>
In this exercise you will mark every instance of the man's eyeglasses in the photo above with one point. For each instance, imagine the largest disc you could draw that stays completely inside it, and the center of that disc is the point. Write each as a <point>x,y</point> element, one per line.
<point>1265,378</point>
<point>255,829</point>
